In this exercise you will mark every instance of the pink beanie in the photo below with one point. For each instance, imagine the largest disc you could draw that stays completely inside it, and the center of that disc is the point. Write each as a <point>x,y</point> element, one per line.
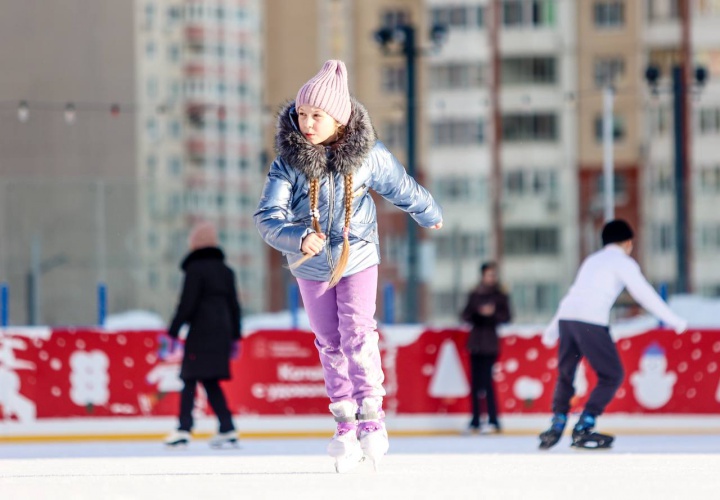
<point>202,235</point>
<point>328,90</point>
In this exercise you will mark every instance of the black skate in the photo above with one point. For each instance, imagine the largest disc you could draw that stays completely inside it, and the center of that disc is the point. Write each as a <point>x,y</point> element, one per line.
<point>550,437</point>
<point>586,439</point>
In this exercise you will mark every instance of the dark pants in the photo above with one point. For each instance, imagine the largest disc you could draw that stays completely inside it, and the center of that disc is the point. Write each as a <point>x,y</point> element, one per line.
<point>216,398</point>
<point>578,339</point>
<point>482,385</point>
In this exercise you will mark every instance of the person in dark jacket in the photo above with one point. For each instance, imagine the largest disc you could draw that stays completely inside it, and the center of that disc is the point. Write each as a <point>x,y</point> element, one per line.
<point>486,308</point>
<point>209,305</point>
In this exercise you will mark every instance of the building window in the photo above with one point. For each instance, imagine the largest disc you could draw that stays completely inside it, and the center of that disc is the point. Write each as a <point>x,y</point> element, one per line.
<point>394,18</point>
<point>175,166</point>
<point>535,13</point>
<point>619,129</point>
<point>451,17</point>
<point>608,71</point>
<point>528,70</point>
<point>457,132</point>
<point>174,53</point>
<point>150,49</point>
<point>530,182</point>
<point>512,13</point>
<point>395,134</point>
<point>709,179</point>
<point>538,127</point>
<point>535,298</point>
<point>460,189</point>
<point>393,78</point>
<point>480,17</point>
<point>662,237</point>
<point>461,245</point>
<point>708,237</point>
<point>149,15</point>
<point>531,241</point>
<point>709,121</point>
<point>453,76</point>
<point>609,14</point>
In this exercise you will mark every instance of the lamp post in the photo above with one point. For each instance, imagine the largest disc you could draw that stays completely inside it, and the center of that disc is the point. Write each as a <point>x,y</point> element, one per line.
<point>681,165</point>
<point>404,35</point>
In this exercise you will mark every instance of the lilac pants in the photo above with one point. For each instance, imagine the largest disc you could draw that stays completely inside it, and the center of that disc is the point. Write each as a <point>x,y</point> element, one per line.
<point>342,319</point>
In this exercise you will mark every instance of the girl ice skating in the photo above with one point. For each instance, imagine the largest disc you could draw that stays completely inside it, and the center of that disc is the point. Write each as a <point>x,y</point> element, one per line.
<point>316,208</point>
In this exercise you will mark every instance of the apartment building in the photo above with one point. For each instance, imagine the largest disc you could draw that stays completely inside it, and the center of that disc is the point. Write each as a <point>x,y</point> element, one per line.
<point>538,155</point>
<point>661,42</point>
<point>200,138</point>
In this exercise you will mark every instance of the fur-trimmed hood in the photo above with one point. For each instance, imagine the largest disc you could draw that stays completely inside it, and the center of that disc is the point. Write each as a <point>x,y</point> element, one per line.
<point>314,161</point>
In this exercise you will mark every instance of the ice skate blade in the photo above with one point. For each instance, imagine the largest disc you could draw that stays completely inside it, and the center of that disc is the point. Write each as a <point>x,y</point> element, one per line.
<point>593,445</point>
<point>176,446</point>
<point>348,463</point>
<point>226,445</point>
<point>586,448</point>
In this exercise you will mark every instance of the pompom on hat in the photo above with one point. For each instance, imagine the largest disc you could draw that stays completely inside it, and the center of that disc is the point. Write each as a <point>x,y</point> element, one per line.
<point>616,231</point>
<point>328,90</point>
<point>203,235</point>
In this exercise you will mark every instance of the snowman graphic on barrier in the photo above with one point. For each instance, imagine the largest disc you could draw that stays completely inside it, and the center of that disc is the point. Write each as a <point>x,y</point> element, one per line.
<point>653,386</point>
<point>12,403</point>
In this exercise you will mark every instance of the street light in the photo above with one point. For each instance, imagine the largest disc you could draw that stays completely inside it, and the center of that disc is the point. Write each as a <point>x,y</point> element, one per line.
<point>682,169</point>
<point>404,36</point>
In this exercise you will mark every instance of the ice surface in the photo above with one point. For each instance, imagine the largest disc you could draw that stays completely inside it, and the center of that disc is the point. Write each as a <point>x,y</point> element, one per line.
<point>478,467</point>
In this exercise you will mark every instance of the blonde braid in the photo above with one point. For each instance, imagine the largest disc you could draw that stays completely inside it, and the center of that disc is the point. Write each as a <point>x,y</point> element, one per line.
<point>345,255</point>
<point>314,189</point>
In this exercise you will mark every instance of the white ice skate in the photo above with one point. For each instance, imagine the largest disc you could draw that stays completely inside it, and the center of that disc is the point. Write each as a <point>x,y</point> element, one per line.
<point>225,440</point>
<point>344,446</point>
<point>178,440</point>
<point>371,431</point>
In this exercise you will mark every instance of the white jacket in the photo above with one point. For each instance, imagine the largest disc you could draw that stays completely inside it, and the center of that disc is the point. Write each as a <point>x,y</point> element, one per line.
<point>600,280</point>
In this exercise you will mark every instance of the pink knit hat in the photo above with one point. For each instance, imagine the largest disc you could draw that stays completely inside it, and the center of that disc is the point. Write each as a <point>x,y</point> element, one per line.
<point>202,235</point>
<point>328,90</point>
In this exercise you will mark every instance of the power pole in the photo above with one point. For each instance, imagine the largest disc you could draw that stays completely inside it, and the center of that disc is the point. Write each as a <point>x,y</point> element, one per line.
<point>413,281</point>
<point>682,83</point>
<point>496,135</point>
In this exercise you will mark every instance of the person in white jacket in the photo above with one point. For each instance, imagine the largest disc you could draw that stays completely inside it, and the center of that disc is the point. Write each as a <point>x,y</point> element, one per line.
<point>582,326</point>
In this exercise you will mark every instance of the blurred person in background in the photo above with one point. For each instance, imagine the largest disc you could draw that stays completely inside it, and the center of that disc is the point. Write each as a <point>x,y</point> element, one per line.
<point>487,307</point>
<point>209,305</point>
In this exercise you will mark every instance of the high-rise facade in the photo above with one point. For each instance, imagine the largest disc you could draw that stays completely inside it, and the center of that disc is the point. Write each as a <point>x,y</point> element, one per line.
<point>661,48</point>
<point>538,151</point>
<point>200,130</point>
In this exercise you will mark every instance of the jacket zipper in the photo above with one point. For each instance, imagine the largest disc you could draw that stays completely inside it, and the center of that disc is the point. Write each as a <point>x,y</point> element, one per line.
<point>331,210</point>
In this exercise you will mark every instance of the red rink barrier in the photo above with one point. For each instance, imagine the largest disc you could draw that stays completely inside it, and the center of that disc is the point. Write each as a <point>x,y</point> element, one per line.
<point>93,373</point>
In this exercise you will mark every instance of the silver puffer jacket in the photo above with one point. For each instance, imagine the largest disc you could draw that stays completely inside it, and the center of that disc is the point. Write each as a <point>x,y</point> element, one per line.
<point>283,214</point>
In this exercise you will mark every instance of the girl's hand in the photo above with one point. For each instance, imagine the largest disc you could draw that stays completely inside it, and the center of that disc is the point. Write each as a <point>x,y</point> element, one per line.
<point>313,243</point>
<point>436,226</point>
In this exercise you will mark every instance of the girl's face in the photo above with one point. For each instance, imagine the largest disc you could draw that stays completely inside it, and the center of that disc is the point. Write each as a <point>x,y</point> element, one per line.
<point>317,126</point>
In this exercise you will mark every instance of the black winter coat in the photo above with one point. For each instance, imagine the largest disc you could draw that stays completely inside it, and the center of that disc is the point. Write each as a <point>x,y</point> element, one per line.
<point>209,304</point>
<point>483,338</point>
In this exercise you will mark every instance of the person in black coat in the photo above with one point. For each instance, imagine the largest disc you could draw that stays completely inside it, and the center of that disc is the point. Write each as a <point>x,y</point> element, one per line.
<point>209,304</point>
<point>487,307</point>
